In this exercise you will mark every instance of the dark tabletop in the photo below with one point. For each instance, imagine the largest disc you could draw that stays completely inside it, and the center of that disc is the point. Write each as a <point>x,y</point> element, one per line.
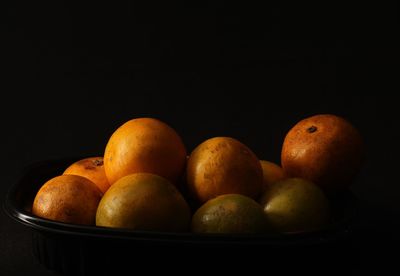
<point>75,73</point>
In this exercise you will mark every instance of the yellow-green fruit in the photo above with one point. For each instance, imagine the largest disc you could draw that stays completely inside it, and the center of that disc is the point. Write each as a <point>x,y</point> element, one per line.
<point>295,205</point>
<point>231,213</point>
<point>144,201</point>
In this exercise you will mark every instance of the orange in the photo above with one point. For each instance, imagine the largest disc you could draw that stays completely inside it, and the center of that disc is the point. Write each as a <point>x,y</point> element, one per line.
<point>144,145</point>
<point>231,213</point>
<point>92,168</point>
<point>223,165</point>
<point>144,201</point>
<point>324,149</point>
<point>271,173</point>
<point>68,198</point>
<point>295,205</point>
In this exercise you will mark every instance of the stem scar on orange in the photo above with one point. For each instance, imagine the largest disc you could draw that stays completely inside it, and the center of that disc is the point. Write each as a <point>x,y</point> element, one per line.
<point>92,168</point>
<point>324,149</point>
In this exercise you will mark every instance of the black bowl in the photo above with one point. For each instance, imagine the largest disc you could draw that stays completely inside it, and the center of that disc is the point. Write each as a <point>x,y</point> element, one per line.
<point>89,250</point>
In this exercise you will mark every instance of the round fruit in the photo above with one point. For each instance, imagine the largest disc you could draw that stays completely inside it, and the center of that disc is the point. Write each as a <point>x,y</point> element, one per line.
<point>295,205</point>
<point>92,168</point>
<point>231,213</point>
<point>271,173</point>
<point>68,198</point>
<point>223,165</point>
<point>144,201</point>
<point>144,145</point>
<point>324,149</point>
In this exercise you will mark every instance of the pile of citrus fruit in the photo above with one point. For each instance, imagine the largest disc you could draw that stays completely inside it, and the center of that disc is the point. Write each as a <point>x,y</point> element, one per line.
<point>147,181</point>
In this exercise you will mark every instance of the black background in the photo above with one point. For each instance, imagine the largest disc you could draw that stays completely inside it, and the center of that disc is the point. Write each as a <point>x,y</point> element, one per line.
<point>74,73</point>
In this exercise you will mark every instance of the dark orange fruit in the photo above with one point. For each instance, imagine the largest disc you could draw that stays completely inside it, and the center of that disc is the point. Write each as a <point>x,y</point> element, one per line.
<point>68,198</point>
<point>324,149</point>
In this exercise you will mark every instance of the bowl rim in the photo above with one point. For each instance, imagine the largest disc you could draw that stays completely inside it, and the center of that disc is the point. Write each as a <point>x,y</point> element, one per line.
<point>10,206</point>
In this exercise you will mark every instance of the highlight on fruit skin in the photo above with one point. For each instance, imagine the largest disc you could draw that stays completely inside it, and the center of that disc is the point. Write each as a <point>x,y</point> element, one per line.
<point>144,201</point>
<point>228,214</point>
<point>223,165</point>
<point>93,169</point>
<point>68,198</point>
<point>144,145</point>
<point>296,205</point>
<point>325,149</point>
